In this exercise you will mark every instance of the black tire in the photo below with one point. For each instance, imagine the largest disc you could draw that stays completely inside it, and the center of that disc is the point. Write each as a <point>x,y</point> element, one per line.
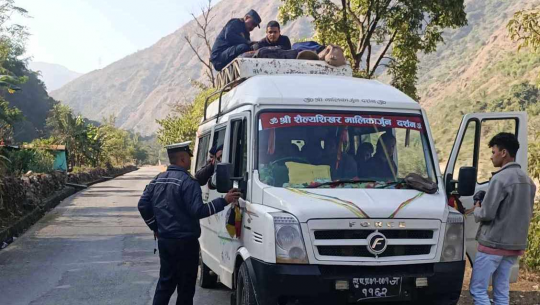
<point>244,287</point>
<point>207,278</point>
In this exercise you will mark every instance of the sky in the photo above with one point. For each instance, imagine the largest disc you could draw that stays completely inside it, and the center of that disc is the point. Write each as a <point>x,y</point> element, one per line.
<point>84,35</point>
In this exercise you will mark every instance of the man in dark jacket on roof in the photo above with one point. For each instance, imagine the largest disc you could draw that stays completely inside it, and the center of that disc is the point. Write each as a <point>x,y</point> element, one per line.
<point>171,206</point>
<point>273,38</point>
<point>234,40</point>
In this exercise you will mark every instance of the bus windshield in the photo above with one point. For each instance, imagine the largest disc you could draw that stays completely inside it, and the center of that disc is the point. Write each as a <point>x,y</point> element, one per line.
<point>341,150</point>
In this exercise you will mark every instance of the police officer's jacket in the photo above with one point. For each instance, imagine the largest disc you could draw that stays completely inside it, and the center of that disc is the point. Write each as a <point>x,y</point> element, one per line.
<point>172,204</point>
<point>234,33</point>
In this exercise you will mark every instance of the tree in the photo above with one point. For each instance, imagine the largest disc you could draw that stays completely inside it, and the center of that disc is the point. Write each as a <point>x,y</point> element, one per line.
<point>118,144</point>
<point>13,36</point>
<point>202,32</point>
<point>8,116</point>
<point>70,130</point>
<point>182,125</point>
<point>91,145</point>
<point>525,28</point>
<point>380,33</point>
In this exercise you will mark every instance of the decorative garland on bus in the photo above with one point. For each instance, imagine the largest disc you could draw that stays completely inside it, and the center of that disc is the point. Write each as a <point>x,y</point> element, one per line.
<point>350,205</point>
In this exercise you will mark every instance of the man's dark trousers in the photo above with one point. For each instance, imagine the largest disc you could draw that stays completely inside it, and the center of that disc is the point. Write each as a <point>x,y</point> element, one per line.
<point>179,260</point>
<point>228,55</point>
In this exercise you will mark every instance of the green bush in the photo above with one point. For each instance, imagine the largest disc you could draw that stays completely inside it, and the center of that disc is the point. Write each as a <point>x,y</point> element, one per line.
<point>22,161</point>
<point>532,255</point>
<point>19,161</point>
<point>41,162</point>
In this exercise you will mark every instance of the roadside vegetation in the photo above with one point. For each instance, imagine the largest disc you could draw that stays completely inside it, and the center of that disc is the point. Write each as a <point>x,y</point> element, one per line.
<point>525,29</point>
<point>29,116</point>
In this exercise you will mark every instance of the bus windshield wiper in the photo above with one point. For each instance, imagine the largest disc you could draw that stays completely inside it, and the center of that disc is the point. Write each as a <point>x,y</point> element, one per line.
<point>339,182</point>
<point>392,183</point>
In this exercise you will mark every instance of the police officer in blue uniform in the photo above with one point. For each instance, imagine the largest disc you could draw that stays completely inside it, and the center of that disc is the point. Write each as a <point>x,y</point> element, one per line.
<point>234,40</point>
<point>171,206</point>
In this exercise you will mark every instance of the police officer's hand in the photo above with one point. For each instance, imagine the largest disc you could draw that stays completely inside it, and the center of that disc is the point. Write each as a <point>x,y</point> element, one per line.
<point>233,195</point>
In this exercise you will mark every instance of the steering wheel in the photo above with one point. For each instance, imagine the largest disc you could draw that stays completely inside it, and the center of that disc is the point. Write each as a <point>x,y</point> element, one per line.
<point>289,159</point>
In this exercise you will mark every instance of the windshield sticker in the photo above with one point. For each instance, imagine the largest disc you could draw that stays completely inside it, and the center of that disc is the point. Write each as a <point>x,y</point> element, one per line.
<point>277,120</point>
<point>309,100</point>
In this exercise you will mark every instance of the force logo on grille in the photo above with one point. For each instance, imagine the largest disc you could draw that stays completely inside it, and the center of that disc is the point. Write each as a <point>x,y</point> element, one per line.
<point>376,243</point>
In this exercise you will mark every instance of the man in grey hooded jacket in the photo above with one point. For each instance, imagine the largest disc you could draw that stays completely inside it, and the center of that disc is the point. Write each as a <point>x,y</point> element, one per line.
<point>504,216</point>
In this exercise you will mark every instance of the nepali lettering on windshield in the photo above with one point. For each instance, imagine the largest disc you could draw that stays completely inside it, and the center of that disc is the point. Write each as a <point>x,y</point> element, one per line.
<point>345,150</point>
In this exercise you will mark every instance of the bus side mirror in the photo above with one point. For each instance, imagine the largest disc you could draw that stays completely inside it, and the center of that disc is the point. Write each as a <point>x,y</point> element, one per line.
<point>223,177</point>
<point>467,181</point>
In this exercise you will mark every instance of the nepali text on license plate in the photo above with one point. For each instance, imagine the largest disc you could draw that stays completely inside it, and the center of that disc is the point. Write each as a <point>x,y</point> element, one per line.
<point>377,287</point>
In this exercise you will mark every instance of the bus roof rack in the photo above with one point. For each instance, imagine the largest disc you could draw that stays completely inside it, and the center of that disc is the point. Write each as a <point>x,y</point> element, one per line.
<point>243,68</point>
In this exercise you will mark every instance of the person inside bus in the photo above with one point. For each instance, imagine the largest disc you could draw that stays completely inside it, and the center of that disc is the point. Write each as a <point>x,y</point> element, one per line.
<point>287,151</point>
<point>234,40</point>
<point>313,151</point>
<point>363,155</point>
<point>204,174</point>
<point>382,166</point>
<point>341,169</point>
<point>273,38</point>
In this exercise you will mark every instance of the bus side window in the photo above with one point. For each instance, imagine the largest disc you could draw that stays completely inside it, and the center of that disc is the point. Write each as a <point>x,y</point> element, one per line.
<point>202,152</point>
<point>238,147</point>
<point>219,137</point>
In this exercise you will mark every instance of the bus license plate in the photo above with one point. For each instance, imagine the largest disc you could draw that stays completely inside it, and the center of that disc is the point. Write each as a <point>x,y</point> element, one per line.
<point>377,287</point>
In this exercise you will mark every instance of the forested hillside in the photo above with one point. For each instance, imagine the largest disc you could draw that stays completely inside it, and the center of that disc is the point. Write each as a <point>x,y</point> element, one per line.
<point>479,66</point>
<point>34,103</point>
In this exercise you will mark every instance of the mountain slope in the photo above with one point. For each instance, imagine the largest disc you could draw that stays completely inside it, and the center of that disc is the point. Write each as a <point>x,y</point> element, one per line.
<point>470,50</point>
<point>141,87</point>
<point>478,65</point>
<point>54,76</point>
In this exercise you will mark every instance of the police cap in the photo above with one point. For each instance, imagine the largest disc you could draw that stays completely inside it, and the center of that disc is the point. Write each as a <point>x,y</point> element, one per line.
<point>253,14</point>
<point>178,147</point>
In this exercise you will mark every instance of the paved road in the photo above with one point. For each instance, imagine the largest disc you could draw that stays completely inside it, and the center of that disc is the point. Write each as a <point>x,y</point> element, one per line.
<point>95,249</point>
<point>92,249</point>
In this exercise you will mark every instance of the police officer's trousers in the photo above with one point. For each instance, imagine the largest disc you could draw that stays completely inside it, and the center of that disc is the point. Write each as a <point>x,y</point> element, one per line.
<point>179,266</point>
<point>228,55</point>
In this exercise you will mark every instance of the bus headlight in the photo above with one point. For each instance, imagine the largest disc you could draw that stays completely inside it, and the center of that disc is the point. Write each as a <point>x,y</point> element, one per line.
<point>453,239</point>
<point>290,247</point>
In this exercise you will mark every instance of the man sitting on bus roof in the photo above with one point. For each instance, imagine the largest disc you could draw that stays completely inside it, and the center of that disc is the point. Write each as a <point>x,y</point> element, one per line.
<point>234,40</point>
<point>273,38</point>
